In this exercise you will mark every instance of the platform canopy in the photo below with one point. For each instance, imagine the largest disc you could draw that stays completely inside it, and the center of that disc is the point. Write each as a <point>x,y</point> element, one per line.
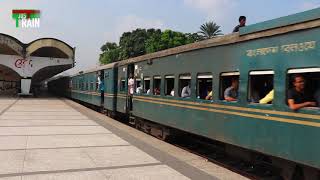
<point>33,62</point>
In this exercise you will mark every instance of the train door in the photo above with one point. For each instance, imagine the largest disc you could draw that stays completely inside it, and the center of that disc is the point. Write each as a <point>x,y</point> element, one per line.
<point>114,87</point>
<point>130,89</point>
<point>101,86</point>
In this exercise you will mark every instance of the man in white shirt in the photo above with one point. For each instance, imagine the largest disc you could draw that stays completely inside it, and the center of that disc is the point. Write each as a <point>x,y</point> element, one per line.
<point>172,92</point>
<point>186,91</point>
<point>98,81</point>
<point>148,92</point>
<point>139,90</point>
<point>131,85</point>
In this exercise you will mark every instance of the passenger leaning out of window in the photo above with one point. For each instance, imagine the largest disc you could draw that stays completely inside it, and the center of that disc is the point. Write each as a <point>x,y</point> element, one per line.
<point>186,91</point>
<point>231,93</point>
<point>172,92</point>
<point>148,92</point>
<point>139,89</point>
<point>210,94</point>
<point>317,97</point>
<point>268,98</point>
<point>156,91</point>
<point>298,97</point>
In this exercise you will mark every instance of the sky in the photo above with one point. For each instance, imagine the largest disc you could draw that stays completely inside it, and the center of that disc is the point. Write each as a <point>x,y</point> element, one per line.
<point>88,24</point>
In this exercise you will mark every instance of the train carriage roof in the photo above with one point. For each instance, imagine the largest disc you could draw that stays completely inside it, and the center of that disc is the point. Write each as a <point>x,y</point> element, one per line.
<point>310,15</point>
<point>107,66</point>
<point>300,21</point>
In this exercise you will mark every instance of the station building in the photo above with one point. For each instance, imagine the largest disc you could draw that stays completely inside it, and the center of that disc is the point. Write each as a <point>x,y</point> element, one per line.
<point>25,66</point>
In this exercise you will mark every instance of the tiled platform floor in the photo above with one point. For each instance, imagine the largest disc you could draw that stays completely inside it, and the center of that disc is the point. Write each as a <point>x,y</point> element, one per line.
<point>42,139</point>
<point>57,139</point>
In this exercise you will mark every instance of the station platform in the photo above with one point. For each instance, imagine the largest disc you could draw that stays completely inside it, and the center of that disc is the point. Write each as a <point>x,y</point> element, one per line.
<point>51,139</point>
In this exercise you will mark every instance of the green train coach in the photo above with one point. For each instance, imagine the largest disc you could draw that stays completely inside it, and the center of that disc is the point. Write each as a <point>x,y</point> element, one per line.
<point>84,87</point>
<point>262,56</point>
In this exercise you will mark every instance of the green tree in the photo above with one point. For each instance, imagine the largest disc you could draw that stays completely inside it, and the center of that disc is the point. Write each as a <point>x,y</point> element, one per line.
<point>193,37</point>
<point>171,39</point>
<point>133,43</point>
<point>209,30</point>
<point>168,39</point>
<point>110,53</point>
<point>108,46</point>
<point>141,41</point>
<point>153,42</point>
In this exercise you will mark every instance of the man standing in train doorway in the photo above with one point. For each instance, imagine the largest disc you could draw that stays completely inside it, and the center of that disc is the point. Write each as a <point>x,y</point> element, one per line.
<point>242,23</point>
<point>101,88</point>
<point>130,90</point>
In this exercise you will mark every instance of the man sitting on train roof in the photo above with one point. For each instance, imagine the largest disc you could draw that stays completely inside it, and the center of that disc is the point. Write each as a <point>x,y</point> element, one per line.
<point>242,23</point>
<point>298,97</point>
<point>231,93</point>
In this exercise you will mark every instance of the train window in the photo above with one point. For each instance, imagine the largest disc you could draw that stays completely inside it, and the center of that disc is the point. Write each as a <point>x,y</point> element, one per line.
<point>156,85</point>
<point>122,85</point>
<point>97,82</point>
<point>204,86</point>
<point>92,86</point>
<point>169,85</point>
<point>146,85</point>
<point>260,85</point>
<point>138,87</point>
<point>226,80</point>
<point>184,86</point>
<point>311,83</point>
<point>82,86</point>
<point>138,83</point>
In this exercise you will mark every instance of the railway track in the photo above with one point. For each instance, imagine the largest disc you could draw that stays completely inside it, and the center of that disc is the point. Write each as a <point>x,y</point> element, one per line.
<point>215,152</point>
<point>217,155</point>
